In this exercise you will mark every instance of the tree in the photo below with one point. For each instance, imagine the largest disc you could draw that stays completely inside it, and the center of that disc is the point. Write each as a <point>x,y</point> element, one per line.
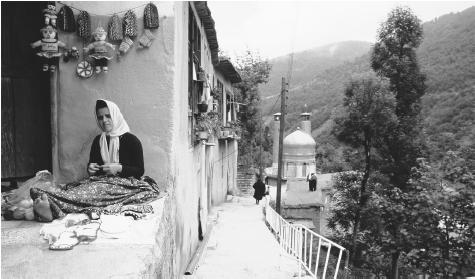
<point>394,58</point>
<point>254,71</point>
<point>443,223</point>
<point>369,114</point>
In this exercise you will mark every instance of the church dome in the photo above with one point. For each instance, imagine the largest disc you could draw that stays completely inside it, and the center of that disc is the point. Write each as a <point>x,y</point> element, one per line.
<point>299,145</point>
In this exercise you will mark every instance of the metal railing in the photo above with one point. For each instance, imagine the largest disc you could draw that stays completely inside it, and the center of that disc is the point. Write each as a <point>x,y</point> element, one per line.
<point>306,247</point>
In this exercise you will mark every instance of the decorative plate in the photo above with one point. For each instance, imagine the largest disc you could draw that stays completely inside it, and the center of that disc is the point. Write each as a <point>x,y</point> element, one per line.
<point>84,69</point>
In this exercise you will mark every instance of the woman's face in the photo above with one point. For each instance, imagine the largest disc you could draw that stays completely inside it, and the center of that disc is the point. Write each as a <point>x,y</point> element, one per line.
<point>104,118</point>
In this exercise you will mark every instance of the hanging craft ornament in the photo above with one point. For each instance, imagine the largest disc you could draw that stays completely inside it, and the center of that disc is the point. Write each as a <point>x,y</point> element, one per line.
<point>50,46</point>
<point>84,69</point>
<point>100,50</point>
<point>150,17</point>
<point>84,25</point>
<point>115,29</point>
<point>129,24</point>
<point>146,39</point>
<point>126,44</point>
<point>50,13</point>
<point>66,21</point>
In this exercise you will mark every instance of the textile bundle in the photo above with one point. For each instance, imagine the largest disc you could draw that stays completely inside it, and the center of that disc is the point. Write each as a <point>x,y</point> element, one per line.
<point>102,194</point>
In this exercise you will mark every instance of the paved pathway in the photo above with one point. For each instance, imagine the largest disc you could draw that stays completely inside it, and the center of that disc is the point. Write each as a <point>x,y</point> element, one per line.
<point>241,246</point>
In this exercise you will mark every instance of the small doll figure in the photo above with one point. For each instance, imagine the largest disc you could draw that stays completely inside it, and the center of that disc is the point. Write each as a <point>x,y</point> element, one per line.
<point>50,14</point>
<point>49,48</point>
<point>102,51</point>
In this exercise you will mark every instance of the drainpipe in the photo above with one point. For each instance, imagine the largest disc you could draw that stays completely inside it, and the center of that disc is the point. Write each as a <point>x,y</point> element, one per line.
<point>54,125</point>
<point>203,194</point>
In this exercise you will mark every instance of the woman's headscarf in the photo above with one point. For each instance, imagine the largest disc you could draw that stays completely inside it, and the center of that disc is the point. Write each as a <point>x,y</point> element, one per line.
<point>119,127</point>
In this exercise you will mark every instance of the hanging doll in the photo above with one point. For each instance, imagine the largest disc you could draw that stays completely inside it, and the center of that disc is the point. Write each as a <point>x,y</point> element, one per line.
<point>101,51</point>
<point>49,48</point>
<point>50,13</point>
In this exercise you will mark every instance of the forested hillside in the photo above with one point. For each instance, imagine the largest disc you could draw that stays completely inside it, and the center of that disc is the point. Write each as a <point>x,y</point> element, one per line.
<point>307,64</point>
<point>446,57</point>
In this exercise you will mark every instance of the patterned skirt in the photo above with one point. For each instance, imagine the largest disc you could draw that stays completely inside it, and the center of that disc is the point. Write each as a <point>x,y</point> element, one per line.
<point>103,194</point>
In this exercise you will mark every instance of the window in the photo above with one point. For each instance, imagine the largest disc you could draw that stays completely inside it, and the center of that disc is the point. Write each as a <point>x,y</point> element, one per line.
<point>219,97</point>
<point>195,88</point>
<point>304,170</point>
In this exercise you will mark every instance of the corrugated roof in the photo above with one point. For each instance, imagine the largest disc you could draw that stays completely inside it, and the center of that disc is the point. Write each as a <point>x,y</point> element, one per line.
<point>227,69</point>
<point>208,23</point>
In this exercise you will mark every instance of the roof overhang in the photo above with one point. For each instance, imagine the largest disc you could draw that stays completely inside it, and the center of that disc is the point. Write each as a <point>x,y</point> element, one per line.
<point>208,24</point>
<point>227,69</point>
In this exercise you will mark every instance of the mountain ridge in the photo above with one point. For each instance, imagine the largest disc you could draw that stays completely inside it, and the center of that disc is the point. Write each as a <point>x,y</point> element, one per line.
<point>447,58</point>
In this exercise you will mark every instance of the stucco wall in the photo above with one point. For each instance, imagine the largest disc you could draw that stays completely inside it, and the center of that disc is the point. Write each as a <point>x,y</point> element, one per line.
<point>186,159</point>
<point>150,86</point>
<point>141,84</point>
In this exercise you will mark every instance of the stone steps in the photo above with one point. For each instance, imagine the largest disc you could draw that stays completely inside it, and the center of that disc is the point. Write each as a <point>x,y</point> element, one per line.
<point>245,179</point>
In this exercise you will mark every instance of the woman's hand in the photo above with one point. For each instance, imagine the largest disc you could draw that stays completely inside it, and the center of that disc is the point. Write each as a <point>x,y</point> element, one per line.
<point>112,168</point>
<point>93,168</point>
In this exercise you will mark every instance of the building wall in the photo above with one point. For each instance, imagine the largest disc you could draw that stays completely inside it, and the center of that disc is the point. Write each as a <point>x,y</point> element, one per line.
<point>192,188</point>
<point>150,86</point>
<point>140,84</point>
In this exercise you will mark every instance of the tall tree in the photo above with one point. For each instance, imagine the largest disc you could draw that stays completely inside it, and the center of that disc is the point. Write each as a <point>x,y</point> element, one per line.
<point>369,114</point>
<point>394,57</point>
<point>254,70</point>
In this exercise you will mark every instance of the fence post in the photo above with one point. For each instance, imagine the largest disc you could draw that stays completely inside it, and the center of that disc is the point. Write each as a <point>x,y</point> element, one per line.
<point>347,260</point>
<point>299,231</point>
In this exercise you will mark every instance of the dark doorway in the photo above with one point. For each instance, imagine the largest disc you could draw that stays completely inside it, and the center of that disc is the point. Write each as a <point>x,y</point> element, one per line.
<point>26,107</point>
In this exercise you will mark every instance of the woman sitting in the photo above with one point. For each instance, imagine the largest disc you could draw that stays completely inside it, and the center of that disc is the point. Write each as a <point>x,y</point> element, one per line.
<point>106,157</point>
<point>115,167</point>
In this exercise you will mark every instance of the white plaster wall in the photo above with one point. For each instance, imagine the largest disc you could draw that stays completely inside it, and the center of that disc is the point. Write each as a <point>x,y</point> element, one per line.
<point>140,84</point>
<point>150,87</point>
<point>183,160</point>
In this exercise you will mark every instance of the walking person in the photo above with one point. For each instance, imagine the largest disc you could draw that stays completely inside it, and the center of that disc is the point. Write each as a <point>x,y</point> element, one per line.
<point>313,182</point>
<point>259,189</point>
<point>310,182</point>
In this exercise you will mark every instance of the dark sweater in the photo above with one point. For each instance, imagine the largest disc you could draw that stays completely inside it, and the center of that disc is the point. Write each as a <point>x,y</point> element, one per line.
<point>130,155</point>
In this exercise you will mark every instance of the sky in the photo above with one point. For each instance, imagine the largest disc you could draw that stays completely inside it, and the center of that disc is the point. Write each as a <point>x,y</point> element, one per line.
<point>278,28</point>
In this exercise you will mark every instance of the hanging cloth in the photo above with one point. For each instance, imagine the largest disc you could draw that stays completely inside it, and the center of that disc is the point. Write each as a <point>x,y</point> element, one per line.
<point>129,24</point>
<point>84,25</point>
<point>115,29</point>
<point>119,127</point>
<point>150,17</point>
<point>195,77</point>
<point>66,21</point>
